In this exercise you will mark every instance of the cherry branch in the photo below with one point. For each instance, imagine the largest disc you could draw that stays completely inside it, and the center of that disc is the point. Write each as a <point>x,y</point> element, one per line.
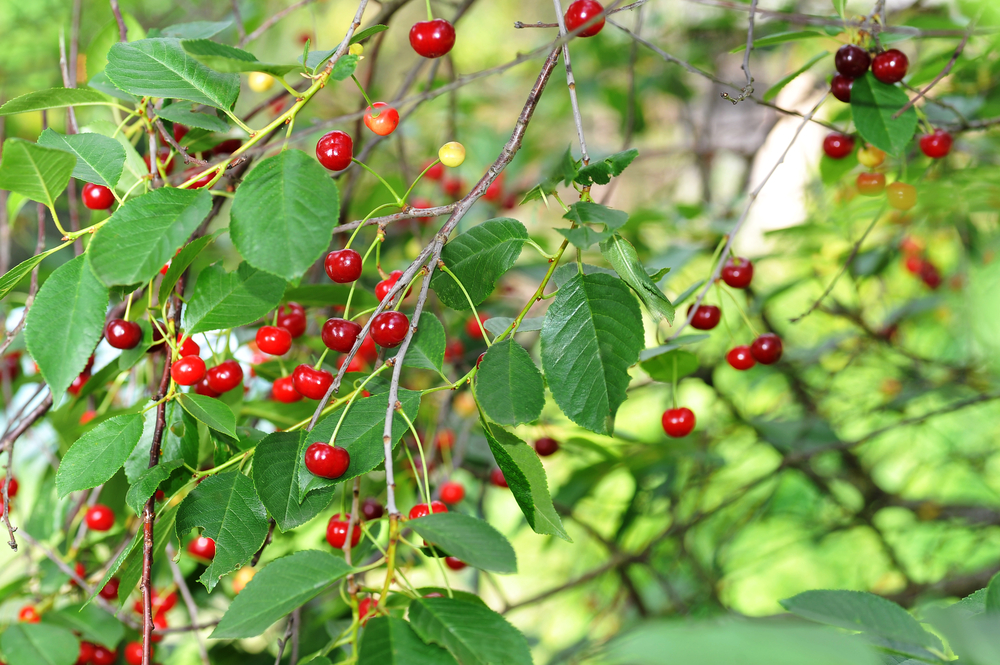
<point>122,29</point>
<point>571,83</point>
<point>8,445</point>
<point>409,213</point>
<point>748,88</point>
<point>188,159</point>
<point>944,72</point>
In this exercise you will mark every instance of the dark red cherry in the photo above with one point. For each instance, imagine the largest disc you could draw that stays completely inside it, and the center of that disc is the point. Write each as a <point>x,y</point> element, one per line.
<point>582,11</point>
<point>284,390</point>
<point>546,446</point>
<point>840,87</point>
<point>99,517</point>
<point>432,39</point>
<point>382,288</point>
<point>340,334</point>
<point>454,350</point>
<point>343,265</point>
<point>11,487</point>
<point>497,477</point>
<point>936,145</point>
<point>740,358</point>
<point>273,340</point>
<point>110,590</point>
<point>678,423</point>
<point>890,67</point>
<point>737,273</point>
<point>372,509</point>
<point>766,349</point>
<point>422,509</point>
<point>86,654</point>
<point>454,564</point>
<point>200,182</point>
<point>852,61</point>
<point>472,328</point>
<point>122,334</point>
<point>929,275</point>
<point>133,653</point>
<point>327,461</point>
<point>103,656</point>
<point>389,329</point>
<point>435,172</point>
<point>188,371</point>
<point>335,150</point>
<point>204,389</point>
<point>706,317</point>
<point>336,532</point>
<point>310,382</point>
<point>202,547</point>
<point>837,145</point>
<point>97,197</point>
<point>225,376</point>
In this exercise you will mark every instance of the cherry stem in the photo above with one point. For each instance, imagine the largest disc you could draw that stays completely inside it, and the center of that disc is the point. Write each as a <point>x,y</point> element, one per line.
<point>479,321</point>
<point>275,322</point>
<point>319,363</point>
<point>365,95</point>
<point>128,305</point>
<point>351,400</point>
<point>388,186</point>
<point>422,174</point>
<point>674,391</point>
<point>430,14</point>
<point>742,313</point>
<point>722,312</point>
<point>215,356</point>
<point>363,312</point>
<point>426,489</point>
<point>362,224</point>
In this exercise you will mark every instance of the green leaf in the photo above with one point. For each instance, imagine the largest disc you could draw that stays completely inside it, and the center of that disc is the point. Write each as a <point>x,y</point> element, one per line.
<point>600,173</point>
<point>182,261</point>
<point>361,435</point>
<point>102,83</point>
<point>473,633</point>
<point>773,91</point>
<point>427,347</point>
<point>196,29</point>
<point>391,641</point>
<point>526,479</point>
<point>13,277</point>
<point>223,299</point>
<point>277,589</point>
<point>161,68</point>
<point>509,386</point>
<point>873,104</point>
<point>183,114</point>
<point>832,170</point>
<point>343,67</point>
<point>39,644</point>
<point>147,484</point>
<point>663,367</point>
<point>756,643</point>
<point>839,6</point>
<point>584,212</point>
<point>275,475</point>
<point>472,540</point>
<point>584,236</point>
<point>97,455</point>
<point>497,324</point>
<point>992,601</point>
<point>145,233</point>
<point>35,172</point>
<point>112,570</point>
<point>301,202</point>
<point>368,32</point>
<point>324,295</point>
<point>99,159</point>
<point>53,98</point>
<point>972,638</point>
<point>478,258</point>
<point>625,260</point>
<point>66,323</point>
<point>861,611</point>
<point>135,167</point>
<point>213,412</point>
<point>592,334</point>
<point>230,59</point>
<point>92,623</point>
<point>227,508</point>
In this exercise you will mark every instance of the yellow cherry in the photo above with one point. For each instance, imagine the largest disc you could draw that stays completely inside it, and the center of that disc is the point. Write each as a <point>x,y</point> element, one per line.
<point>357,49</point>
<point>901,196</point>
<point>260,82</point>
<point>452,154</point>
<point>871,156</point>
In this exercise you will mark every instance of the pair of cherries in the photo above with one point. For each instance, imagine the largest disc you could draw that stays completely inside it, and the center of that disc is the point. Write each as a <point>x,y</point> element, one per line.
<point>766,350</point>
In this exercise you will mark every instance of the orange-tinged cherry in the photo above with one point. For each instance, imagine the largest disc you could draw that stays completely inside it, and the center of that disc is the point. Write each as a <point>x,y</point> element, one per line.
<point>871,184</point>
<point>381,118</point>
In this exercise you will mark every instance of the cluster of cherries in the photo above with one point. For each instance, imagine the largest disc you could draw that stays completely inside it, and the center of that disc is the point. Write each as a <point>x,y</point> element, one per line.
<point>852,62</point>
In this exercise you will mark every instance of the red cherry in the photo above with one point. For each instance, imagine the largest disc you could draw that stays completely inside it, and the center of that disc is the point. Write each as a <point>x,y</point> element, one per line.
<point>936,145</point>
<point>202,547</point>
<point>336,532</point>
<point>890,67</point>
<point>382,288</point>
<point>454,564</point>
<point>929,275</point>
<point>11,487</point>
<point>110,590</point>
<point>80,571</point>
<point>372,509</point>
<point>97,197</point>
<point>840,87</point>
<point>837,145</point>
<point>766,349</point>
<point>311,383</point>
<point>200,182</point>
<point>368,350</point>
<point>343,265</point>
<point>189,347</point>
<point>122,334</point>
<point>225,376</point>
<point>284,390</point>
<point>432,39</point>
<point>472,326</point>
<point>86,653</point>
<point>133,653</point>
<point>366,610</point>
<point>327,461</point>
<point>452,492</point>
<point>454,350</point>
<point>164,158</point>
<point>495,191</point>
<point>28,614</point>
<point>204,389</point>
<point>10,364</point>
<point>497,477</point>
<point>435,172</point>
<point>421,509</point>
<point>706,317</point>
<point>385,122</point>
<point>740,358</point>
<point>273,340</point>
<point>103,656</point>
<point>335,150</point>
<point>188,371</point>
<point>226,147</point>
<point>737,273</point>
<point>453,187</point>
<point>340,334</point>
<point>546,446</point>
<point>99,517</point>
<point>180,131</point>
<point>852,61</point>
<point>871,184</point>
<point>678,423</point>
<point>78,383</point>
<point>389,329</point>
<point>582,11</point>
<point>292,317</point>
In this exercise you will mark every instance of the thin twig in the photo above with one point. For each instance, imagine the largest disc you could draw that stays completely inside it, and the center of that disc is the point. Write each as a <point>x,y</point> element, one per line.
<point>81,533</point>
<point>192,608</point>
<point>122,29</point>
<point>937,79</point>
<point>571,83</point>
<point>188,159</point>
<point>269,23</point>
<point>748,88</point>
<point>284,640</point>
<point>240,28</point>
<point>267,541</point>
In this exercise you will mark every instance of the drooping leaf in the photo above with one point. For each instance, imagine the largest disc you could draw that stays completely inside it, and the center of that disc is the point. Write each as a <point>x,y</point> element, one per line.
<point>620,253</point>
<point>223,299</point>
<point>183,114</point>
<point>66,323</point>
<point>39,644</point>
<point>592,334</point>
<point>181,262</point>
<point>277,589</point>
<point>427,346</point>
<point>472,540</point>
<point>223,58</point>
<point>92,623</point>
<point>161,68</point>
<point>391,641</point>
<point>147,484</point>
<point>99,159</point>
<point>228,510</point>
<point>527,481</point>
<point>213,412</point>
<point>276,475</point>
<point>873,104</point>
<point>473,633</point>
<point>34,171</point>
<point>665,366</point>
<point>508,384</point>
<point>301,202</point>
<point>478,258</point>
<point>12,277</point>
<point>145,233</point>
<point>97,455</point>
<point>53,98</point>
<point>601,172</point>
